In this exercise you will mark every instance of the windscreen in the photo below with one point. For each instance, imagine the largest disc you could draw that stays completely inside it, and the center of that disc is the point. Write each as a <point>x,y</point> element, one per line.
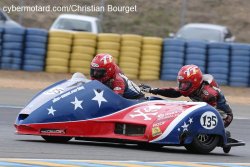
<point>199,34</point>
<point>74,25</point>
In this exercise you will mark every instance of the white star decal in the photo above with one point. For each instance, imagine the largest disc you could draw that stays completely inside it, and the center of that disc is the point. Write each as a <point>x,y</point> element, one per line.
<point>51,110</point>
<point>77,103</point>
<point>190,120</point>
<point>99,97</point>
<point>185,127</point>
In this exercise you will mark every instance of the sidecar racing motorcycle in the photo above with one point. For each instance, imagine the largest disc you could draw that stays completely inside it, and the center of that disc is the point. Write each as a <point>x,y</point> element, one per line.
<point>88,110</point>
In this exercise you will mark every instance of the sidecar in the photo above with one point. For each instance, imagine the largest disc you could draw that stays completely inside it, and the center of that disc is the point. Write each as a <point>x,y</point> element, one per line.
<point>88,110</point>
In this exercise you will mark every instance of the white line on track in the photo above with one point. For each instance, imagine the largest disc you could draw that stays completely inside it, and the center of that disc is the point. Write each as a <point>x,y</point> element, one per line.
<point>11,106</point>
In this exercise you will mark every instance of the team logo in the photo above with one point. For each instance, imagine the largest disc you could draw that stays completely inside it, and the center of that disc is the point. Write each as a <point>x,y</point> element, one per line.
<point>205,92</point>
<point>56,131</point>
<point>55,90</point>
<point>117,88</point>
<point>156,131</point>
<point>107,59</point>
<point>146,113</point>
<point>191,71</point>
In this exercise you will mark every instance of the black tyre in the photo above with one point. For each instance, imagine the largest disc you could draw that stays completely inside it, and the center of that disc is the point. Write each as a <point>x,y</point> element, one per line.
<point>56,139</point>
<point>203,144</point>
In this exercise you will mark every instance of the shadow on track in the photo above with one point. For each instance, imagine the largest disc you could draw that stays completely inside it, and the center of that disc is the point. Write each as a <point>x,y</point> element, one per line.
<point>165,149</point>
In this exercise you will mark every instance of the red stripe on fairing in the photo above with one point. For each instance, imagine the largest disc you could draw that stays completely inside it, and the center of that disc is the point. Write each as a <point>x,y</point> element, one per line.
<point>90,129</point>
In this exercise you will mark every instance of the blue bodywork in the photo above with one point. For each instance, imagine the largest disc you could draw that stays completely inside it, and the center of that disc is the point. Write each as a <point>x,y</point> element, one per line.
<point>65,110</point>
<point>190,126</point>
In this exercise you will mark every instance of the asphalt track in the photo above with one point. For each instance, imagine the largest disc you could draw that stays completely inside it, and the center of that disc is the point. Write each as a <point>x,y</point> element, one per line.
<point>106,154</point>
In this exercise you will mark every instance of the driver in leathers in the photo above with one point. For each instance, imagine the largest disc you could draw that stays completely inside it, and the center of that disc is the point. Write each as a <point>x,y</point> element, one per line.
<point>104,69</point>
<point>198,87</point>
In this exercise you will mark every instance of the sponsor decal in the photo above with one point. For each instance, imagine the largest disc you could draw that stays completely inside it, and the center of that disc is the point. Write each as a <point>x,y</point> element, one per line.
<point>107,59</point>
<point>158,123</point>
<point>117,88</point>
<point>191,71</point>
<point>56,90</point>
<point>168,115</point>
<point>205,92</point>
<point>57,131</point>
<point>208,120</point>
<point>156,131</point>
<point>146,112</point>
<point>67,94</point>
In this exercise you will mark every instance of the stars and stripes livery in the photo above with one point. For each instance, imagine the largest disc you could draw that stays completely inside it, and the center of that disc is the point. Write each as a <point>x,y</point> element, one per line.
<point>83,109</point>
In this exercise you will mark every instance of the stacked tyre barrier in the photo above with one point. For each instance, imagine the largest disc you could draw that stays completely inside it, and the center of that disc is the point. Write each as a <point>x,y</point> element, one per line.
<point>109,43</point>
<point>12,48</point>
<point>240,65</point>
<point>151,58</point>
<point>1,40</point>
<point>83,50</point>
<point>58,52</point>
<point>130,54</point>
<point>196,53</point>
<point>172,58</point>
<point>35,49</point>
<point>218,61</point>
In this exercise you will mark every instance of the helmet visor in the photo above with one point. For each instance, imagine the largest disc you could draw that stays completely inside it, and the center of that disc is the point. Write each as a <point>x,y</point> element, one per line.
<point>97,73</point>
<point>184,86</point>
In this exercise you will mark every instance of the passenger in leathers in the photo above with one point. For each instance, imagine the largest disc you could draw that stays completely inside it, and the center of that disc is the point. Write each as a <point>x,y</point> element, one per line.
<point>104,69</point>
<point>198,87</point>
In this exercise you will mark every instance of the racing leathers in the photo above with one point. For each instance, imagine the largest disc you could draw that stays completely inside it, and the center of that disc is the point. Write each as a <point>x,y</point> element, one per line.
<point>208,92</point>
<point>121,85</point>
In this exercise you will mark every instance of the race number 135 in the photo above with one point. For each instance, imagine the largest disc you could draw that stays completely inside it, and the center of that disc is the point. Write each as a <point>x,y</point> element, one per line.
<point>208,120</point>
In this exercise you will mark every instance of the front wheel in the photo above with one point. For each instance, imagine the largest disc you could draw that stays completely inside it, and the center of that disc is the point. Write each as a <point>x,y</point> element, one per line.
<point>56,139</point>
<point>203,143</point>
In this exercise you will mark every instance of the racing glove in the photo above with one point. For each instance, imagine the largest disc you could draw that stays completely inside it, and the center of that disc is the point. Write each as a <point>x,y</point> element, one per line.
<point>228,120</point>
<point>147,89</point>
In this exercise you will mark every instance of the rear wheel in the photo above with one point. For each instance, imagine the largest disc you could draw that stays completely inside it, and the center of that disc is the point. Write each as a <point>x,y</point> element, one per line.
<point>203,143</point>
<point>56,139</point>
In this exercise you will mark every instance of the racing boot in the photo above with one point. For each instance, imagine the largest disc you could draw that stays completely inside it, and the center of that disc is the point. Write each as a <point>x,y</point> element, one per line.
<point>231,142</point>
<point>227,149</point>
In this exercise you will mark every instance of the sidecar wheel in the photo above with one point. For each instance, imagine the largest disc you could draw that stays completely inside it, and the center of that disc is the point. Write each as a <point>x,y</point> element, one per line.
<point>56,139</point>
<point>203,143</point>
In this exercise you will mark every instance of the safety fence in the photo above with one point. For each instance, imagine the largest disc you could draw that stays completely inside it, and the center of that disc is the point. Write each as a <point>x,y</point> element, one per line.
<point>144,58</point>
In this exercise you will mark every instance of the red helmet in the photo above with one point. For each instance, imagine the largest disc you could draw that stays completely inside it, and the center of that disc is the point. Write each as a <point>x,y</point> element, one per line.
<point>102,67</point>
<point>189,79</point>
